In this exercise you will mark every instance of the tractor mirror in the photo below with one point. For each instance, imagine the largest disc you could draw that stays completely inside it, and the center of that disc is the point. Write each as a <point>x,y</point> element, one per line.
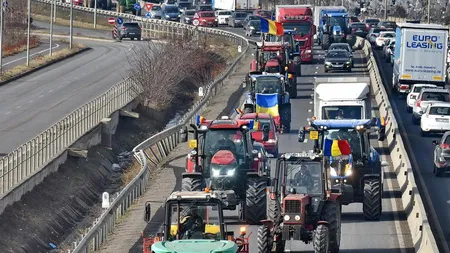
<point>148,212</point>
<point>255,153</point>
<point>244,84</point>
<point>266,131</point>
<point>434,143</point>
<point>184,134</point>
<point>301,136</point>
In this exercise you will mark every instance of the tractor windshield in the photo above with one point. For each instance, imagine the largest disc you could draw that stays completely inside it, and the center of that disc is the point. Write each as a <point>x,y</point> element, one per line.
<point>194,220</point>
<point>338,21</point>
<point>355,139</point>
<point>304,177</point>
<point>268,85</point>
<point>342,112</point>
<point>224,139</point>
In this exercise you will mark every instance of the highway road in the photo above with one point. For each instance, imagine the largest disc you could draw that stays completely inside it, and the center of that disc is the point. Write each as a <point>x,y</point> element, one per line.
<point>64,30</point>
<point>420,150</point>
<point>33,103</point>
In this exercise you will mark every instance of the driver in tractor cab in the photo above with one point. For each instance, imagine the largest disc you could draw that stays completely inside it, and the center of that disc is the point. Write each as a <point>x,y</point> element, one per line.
<point>192,224</point>
<point>224,143</point>
<point>303,178</point>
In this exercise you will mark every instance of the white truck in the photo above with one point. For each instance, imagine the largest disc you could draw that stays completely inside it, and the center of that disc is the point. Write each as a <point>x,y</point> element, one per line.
<point>342,98</point>
<point>420,55</point>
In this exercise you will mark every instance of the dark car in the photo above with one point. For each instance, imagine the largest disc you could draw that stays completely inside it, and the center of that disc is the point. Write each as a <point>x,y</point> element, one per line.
<point>359,29</point>
<point>248,18</point>
<point>171,13</point>
<point>389,25</point>
<point>338,60</point>
<point>371,22</point>
<point>237,19</point>
<point>263,13</point>
<point>187,16</point>
<point>253,28</point>
<point>343,46</point>
<point>442,155</point>
<point>130,30</point>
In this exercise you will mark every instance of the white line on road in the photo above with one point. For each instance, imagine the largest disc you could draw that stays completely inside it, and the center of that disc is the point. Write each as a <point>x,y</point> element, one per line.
<point>315,72</point>
<point>41,95</point>
<point>7,113</point>
<point>50,91</point>
<point>40,52</point>
<point>18,107</point>
<point>31,101</point>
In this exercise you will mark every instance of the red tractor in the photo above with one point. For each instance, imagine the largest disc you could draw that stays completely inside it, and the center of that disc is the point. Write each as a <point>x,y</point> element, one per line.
<point>223,160</point>
<point>273,57</point>
<point>301,206</point>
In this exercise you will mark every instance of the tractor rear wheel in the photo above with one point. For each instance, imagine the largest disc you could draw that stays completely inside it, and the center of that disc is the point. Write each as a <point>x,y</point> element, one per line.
<point>372,199</point>
<point>191,184</point>
<point>274,210</point>
<point>325,41</point>
<point>320,239</point>
<point>264,239</point>
<point>256,200</point>
<point>331,213</point>
<point>293,91</point>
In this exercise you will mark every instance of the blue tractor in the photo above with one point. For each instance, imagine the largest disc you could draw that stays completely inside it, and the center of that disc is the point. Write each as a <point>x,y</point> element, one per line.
<point>334,28</point>
<point>358,175</point>
<point>259,83</point>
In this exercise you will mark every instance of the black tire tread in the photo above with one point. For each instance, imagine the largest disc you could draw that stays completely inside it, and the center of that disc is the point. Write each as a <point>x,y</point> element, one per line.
<point>320,239</point>
<point>274,211</point>
<point>372,199</point>
<point>325,41</point>
<point>191,184</point>
<point>264,244</point>
<point>256,200</point>
<point>331,213</point>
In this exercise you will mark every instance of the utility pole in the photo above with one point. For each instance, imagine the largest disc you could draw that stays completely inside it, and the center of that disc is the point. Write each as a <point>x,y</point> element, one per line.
<point>28,32</point>
<point>385,9</point>
<point>71,24</point>
<point>95,13</point>
<point>1,35</point>
<point>428,10</point>
<point>53,6</point>
<point>54,13</point>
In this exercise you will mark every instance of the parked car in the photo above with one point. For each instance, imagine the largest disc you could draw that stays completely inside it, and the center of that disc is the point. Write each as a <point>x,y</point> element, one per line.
<point>171,13</point>
<point>373,34</point>
<point>205,18</point>
<point>156,12</point>
<point>338,60</point>
<point>371,22</point>
<point>428,96</point>
<point>248,18</point>
<point>129,30</point>
<point>237,19</point>
<point>390,25</point>
<point>187,16</point>
<point>379,41</point>
<point>343,46</point>
<point>435,119</point>
<point>253,28</point>
<point>359,29</point>
<point>441,161</point>
<point>415,91</point>
<point>223,17</point>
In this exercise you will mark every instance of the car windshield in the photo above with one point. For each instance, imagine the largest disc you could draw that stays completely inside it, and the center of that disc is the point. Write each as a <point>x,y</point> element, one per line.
<point>388,35</point>
<point>303,28</point>
<point>342,112</point>
<point>224,13</point>
<point>390,24</point>
<point>197,220</point>
<point>207,14</point>
<point>342,47</point>
<point>359,25</point>
<point>184,5</point>
<point>443,111</point>
<point>171,10</point>
<point>224,139</point>
<point>357,143</point>
<point>304,177</point>
<point>378,30</point>
<point>265,14</point>
<point>262,123</point>
<point>418,89</point>
<point>241,15</point>
<point>435,96</point>
<point>338,21</point>
<point>253,17</point>
<point>189,13</point>
<point>133,25</point>
<point>337,54</point>
<point>156,8</point>
<point>171,1</point>
<point>267,85</point>
<point>255,23</point>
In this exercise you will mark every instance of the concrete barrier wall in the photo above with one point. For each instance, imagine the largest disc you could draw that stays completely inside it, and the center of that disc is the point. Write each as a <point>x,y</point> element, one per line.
<point>423,238</point>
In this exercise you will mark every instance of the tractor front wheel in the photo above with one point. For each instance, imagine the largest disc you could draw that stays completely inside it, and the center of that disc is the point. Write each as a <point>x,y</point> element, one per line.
<point>256,200</point>
<point>372,199</point>
<point>332,214</point>
<point>191,184</point>
<point>274,210</point>
<point>325,41</point>
<point>320,239</point>
<point>264,240</point>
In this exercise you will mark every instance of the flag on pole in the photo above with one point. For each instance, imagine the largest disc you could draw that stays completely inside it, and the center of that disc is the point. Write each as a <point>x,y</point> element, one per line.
<point>271,27</point>
<point>336,148</point>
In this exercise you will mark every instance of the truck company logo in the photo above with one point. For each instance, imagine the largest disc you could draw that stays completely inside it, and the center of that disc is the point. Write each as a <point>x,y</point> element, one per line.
<point>425,41</point>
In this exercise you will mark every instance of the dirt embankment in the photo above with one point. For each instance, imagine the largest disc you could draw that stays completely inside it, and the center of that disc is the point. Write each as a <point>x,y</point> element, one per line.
<point>67,201</point>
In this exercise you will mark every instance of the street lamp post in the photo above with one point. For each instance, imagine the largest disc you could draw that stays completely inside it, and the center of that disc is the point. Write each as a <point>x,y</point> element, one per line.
<point>28,32</point>
<point>95,13</point>
<point>71,25</point>
<point>428,10</point>
<point>53,6</point>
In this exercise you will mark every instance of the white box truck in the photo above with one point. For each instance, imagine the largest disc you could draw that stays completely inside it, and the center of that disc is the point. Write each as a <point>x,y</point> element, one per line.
<point>342,98</point>
<point>420,55</point>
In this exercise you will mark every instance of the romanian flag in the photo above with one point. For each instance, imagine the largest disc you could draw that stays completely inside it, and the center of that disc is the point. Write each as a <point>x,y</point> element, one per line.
<point>381,122</point>
<point>271,27</point>
<point>267,103</point>
<point>336,148</point>
<point>199,119</point>
<point>238,111</point>
<point>256,125</point>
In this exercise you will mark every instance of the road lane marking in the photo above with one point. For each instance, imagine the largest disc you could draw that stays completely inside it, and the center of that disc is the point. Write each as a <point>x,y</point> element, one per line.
<point>50,91</point>
<point>7,113</point>
<point>31,101</point>
<point>18,107</point>
<point>41,95</point>
<point>40,52</point>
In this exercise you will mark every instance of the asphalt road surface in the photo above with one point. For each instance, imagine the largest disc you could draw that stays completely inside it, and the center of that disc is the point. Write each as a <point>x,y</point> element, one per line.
<point>64,30</point>
<point>420,150</point>
<point>32,104</point>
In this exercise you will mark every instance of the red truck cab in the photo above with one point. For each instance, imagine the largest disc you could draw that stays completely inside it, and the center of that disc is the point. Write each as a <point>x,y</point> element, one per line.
<point>299,19</point>
<point>262,120</point>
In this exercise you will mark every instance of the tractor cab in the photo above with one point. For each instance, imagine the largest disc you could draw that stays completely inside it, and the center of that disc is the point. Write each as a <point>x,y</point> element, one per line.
<point>265,128</point>
<point>193,217</point>
<point>288,41</point>
<point>335,28</point>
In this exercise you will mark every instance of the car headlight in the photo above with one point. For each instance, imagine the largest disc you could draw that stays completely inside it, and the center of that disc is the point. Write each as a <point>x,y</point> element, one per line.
<point>167,16</point>
<point>327,63</point>
<point>187,18</point>
<point>271,141</point>
<point>215,19</point>
<point>179,15</point>
<point>297,217</point>
<point>231,172</point>
<point>215,173</point>
<point>252,28</point>
<point>333,172</point>
<point>348,62</point>
<point>307,51</point>
<point>286,217</point>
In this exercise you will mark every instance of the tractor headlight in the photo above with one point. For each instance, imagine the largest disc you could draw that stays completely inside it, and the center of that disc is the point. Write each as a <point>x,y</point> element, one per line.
<point>348,63</point>
<point>333,172</point>
<point>167,16</point>
<point>271,141</point>
<point>297,217</point>
<point>286,217</point>
<point>348,170</point>
<point>252,28</point>
<point>215,173</point>
<point>231,172</point>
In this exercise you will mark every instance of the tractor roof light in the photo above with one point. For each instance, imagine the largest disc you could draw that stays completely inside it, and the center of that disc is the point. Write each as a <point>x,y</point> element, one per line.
<point>225,117</point>
<point>360,128</point>
<point>203,127</point>
<point>243,230</point>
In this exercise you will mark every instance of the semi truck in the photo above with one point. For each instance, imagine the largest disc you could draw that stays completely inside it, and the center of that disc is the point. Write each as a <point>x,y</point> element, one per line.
<point>298,18</point>
<point>319,12</point>
<point>342,98</point>
<point>420,56</point>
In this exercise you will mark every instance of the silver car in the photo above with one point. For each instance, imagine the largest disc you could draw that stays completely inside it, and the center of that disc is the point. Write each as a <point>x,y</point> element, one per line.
<point>373,34</point>
<point>426,97</point>
<point>156,12</point>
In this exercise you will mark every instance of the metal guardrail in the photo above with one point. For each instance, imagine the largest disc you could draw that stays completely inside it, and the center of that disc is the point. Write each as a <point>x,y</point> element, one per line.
<point>30,158</point>
<point>422,236</point>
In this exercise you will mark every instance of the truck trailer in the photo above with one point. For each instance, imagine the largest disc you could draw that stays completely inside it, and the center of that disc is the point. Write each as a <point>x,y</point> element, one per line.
<point>420,55</point>
<point>342,98</point>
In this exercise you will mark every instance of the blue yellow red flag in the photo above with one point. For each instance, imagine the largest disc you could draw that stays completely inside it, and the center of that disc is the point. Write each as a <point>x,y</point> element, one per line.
<point>238,111</point>
<point>381,121</point>
<point>271,27</point>
<point>267,103</point>
<point>336,147</point>
<point>256,125</point>
<point>199,119</point>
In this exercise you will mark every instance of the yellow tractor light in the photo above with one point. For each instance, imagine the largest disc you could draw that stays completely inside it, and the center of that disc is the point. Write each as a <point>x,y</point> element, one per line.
<point>192,143</point>
<point>243,230</point>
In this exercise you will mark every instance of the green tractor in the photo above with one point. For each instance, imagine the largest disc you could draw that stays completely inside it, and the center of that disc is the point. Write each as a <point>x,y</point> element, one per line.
<point>194,223</point>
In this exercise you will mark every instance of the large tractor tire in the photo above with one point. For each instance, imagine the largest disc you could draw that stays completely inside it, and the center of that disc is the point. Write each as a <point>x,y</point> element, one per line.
<point>325,41</point>
<point>372,199</point>
<point>264,240</point>
<point>293,90</point>
<point>320,239</point>
<point>274,210</point>
<point>285,118</point>
<point>192,184</point>
<point>255,200</point>
<point>331,213</point>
